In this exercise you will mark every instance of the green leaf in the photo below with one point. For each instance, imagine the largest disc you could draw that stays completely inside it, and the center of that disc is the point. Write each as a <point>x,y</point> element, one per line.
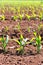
<point>32,39</point>
<point>17,42</point>
<point>21,37</point>
<point>35,33</point>
<point>0,39</point>
<point>39,37</point>
<point>4,45</point>
<point>37,40</point>
<point>20,49</point>
<point>7,39</point>
<point>3,40</point>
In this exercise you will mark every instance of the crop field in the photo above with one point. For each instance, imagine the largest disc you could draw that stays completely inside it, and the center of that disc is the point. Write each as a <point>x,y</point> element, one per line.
<point>21,32</point>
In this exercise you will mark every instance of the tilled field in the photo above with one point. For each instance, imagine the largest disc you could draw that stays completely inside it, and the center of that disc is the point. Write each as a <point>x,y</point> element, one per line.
<point>30,56</point>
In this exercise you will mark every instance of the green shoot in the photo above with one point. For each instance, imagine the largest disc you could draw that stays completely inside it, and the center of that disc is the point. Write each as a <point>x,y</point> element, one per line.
<point>17,26</point>
<point>22,43</point>
<point>41,16</point>
<point>37,38</point>
<point>40,26</point>
<point>21,16</point>
<point>28,17</point>
<point>28,29</point>
<point>33,16</point>
<point>14,18</point>
<point>4,42</point>
<point>6,29</point>
<point>38,42</point>
<point>2,17</point>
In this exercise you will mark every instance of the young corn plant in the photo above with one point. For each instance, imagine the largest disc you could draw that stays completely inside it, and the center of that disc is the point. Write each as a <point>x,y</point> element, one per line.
<point>41,16</point>
<point>14,18</point>
<point>34,16</point>
<point>18,10</point>
<point>17,27</point>
<point>28,29</point>
<point>22,42</point>
<point>40,26</point>
<point>21,16</point>
<point>38,42</point>
<point>3,10</point>
<point>6,28</point>
<point>4,42</point>
<point>2,17</point>
<point>37,39</point>
<point>28,17</point>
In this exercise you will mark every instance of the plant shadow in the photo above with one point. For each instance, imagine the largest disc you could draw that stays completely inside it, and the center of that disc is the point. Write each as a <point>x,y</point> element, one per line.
<point>7,52</point>
<point>29,53</point>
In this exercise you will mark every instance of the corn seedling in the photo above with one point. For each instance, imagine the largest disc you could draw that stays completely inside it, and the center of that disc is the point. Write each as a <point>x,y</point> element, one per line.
<point>21,16</point>
<point>34,16</point>
<point>3,11</point>
<point>41,16</point>
<point>22,42</point>
<point>38,42</point>
<point>4,42</point>
<point>28,17</point>
<point>18,9</point>
<point>14,18</point>
<point>37,38</point>
<point>28,29</point>
<point>17,27</point>
<point>2,17</point>
<point>6,29</point>
<point>40,26</point>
